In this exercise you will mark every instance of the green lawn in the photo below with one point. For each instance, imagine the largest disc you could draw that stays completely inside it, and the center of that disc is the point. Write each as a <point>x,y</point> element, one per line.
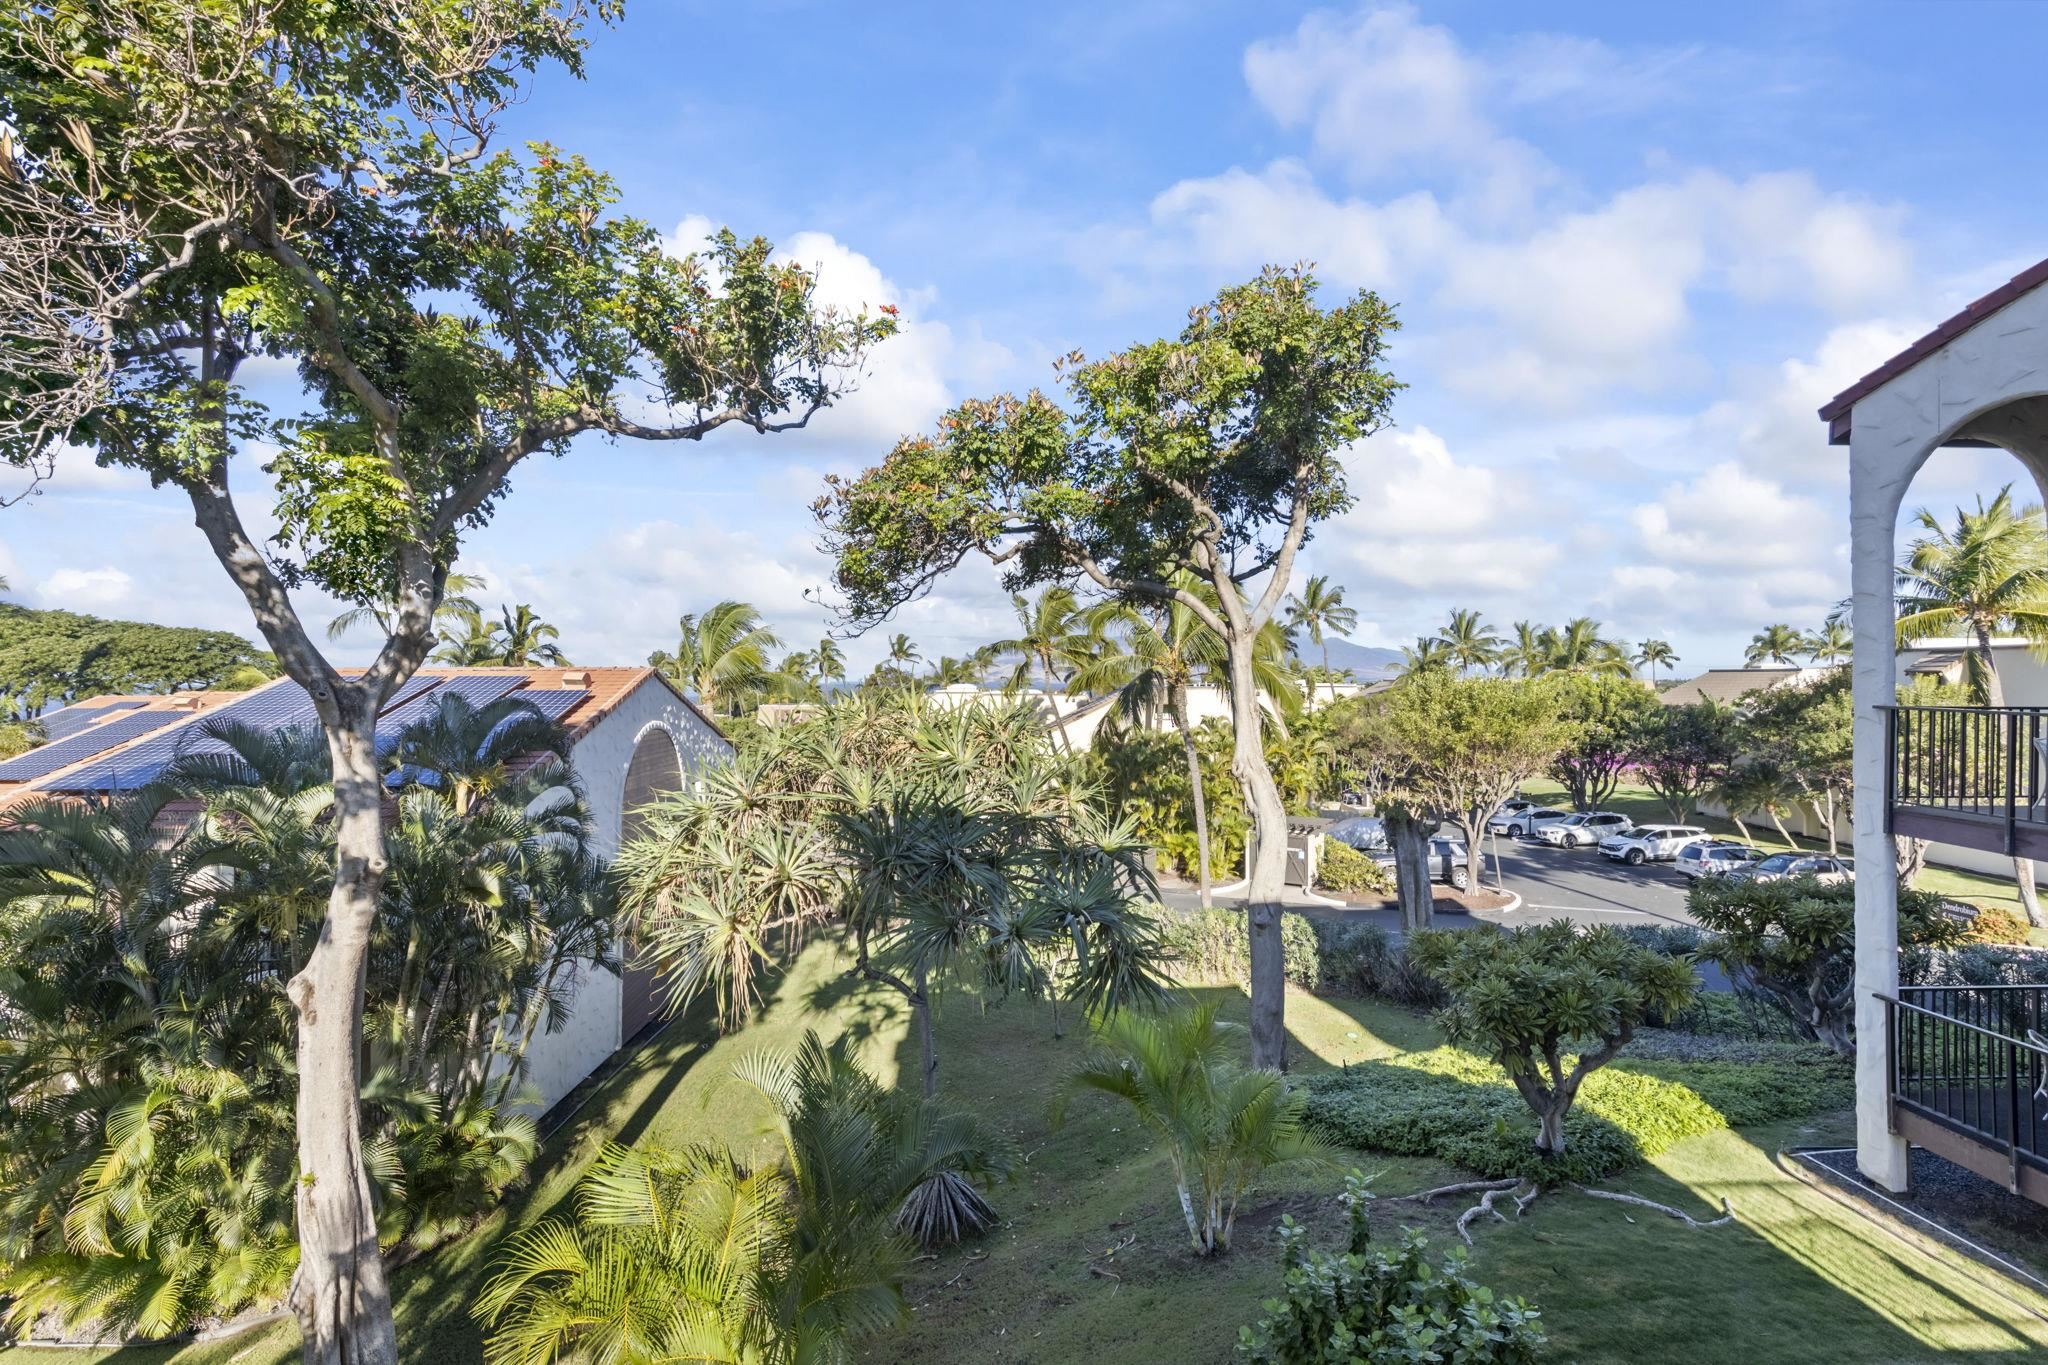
<point>1641,804</point>
<point>1090,1262</point>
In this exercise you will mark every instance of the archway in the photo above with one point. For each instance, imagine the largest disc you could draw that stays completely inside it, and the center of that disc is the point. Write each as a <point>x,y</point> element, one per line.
<point>654,771</point>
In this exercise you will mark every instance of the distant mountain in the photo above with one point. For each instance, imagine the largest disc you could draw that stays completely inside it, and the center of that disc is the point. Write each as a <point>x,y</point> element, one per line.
<point>1367,662</point>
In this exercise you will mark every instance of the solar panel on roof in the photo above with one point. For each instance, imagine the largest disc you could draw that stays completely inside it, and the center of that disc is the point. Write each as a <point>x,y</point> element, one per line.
<point>416,684</point>
<point>271,708</point>
<point>551,702</point>
<point>79,747</point>
<point>478,689</point>
<point>69,721</point>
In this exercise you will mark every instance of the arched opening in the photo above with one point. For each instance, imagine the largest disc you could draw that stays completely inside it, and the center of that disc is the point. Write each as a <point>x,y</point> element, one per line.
<point>654,771</point>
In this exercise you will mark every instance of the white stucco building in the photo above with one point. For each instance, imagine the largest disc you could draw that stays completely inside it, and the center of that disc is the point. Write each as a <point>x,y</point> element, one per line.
<point>1969,777</point>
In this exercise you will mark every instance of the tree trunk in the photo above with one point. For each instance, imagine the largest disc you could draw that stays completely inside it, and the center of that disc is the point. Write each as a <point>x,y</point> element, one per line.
<point>339,1294</point>
<point>1550,1128</point>
<point>1475,852</point>
<point>1911,859</point>
<point>1409,835</point>
<point>929,1044</point>
<point>1268,858</point>
<point>1779,821</point>
<point>1187,740</point>
<point>1740,828</point>
<point>1059,722</point>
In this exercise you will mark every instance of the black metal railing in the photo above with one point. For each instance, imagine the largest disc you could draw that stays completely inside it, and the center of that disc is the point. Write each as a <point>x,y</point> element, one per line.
<point>1978,762</point>
<point>1975,1060</point>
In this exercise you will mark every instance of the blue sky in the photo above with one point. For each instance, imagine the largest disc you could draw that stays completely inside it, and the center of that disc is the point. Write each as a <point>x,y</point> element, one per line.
<point>1633,247</point>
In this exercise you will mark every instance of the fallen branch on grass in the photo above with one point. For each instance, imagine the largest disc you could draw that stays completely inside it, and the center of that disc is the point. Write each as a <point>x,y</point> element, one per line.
<point>1727,1209</point>
<point>1462,1187</point>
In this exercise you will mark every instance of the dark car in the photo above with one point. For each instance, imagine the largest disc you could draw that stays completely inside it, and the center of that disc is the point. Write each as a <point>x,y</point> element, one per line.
<point>1780,866</point>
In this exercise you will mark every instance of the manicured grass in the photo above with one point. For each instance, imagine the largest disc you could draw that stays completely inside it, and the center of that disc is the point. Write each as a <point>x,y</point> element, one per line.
<point>1091,1260</point>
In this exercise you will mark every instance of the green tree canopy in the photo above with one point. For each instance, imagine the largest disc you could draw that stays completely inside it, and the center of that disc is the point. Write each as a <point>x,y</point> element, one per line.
<point>1609,717</point>
<point>56,657</point>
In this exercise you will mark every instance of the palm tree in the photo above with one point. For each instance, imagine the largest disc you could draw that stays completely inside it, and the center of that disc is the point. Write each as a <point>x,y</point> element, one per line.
<point>476,645</point>
<point>455,604</point>
<point>1832,644</point>
<point>1055,636</point>
<point>828,664</point>
<point>1777,644</point>
<point>1579,647</point>
<point>1469,642</point>
<point>1987,575</point>
<point>1525,655</point>
<point>1320,611</point>
<point>1428,652</point>
<point>466,750</point>
<point>1223,1125</point>
<point>1653,654</point>
<point>722,656</point>
<point>524,639</point>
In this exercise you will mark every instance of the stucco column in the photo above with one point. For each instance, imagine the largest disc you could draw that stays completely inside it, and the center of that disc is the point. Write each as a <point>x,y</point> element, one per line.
<point>1878,474</point>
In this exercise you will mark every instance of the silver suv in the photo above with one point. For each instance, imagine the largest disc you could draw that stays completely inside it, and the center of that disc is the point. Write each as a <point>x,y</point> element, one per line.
<point>1650,843</point>
<point>1584,829</point>
<point>1716,857</point>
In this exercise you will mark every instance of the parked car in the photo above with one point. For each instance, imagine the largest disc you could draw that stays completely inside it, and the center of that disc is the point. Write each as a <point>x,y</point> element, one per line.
<point>1650,843</point>
<point>1524,823</point>
<point>1583,830</point>
<point>1446,860</point>
<point>1780,866</point>
<point>1363,832</point>
<point>1715,857</point>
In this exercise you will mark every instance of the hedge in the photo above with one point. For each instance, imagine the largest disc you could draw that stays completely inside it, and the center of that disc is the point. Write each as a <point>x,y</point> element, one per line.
<point>1458,1107</point>
<point>1211,946</point>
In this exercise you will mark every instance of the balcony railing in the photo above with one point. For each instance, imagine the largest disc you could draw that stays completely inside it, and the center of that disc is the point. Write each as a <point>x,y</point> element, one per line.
<point>1969,1078</point>
<point>1970,775</point>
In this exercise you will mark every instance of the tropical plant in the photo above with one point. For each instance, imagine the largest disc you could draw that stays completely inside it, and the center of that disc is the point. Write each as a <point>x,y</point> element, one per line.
<point>1124,490</point>
<point>455,603</point>
<point>1320,612</point>
<point>1427,655</point>
<point>828,662</point>
<point>467,639</point>
<point>721,657</point>
<point>902,652</point>
<point>1469,643</point>
<point>524,639</point>
<point>1530,998</point>
<point>1223,1125</point>
<point>1655,654</point>
<point>1775,644</point>
<point>1792,943</point>
<point>1056,637</point>
<point>1393,1304</point>
<point>1524,655</point>
<point>1832,644</point>
<point>1983,576</point>
<point>1685,751</point>
<point>700,1255</point>
<point>1578,647</point>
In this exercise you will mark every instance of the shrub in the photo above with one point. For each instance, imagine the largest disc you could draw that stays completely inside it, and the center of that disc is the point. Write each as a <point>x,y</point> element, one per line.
<point>1525,996</point>
<point>1974,964</point>
<point>1211,946</point>
<point>1344,868</point>
<point>1995,924</point>
<point>1365,960</point>
<point>1454,1106</point>
<point>1793,944</point>
<point>1375,1305</point>
<point>1672,940</point>
<point>1727,1014</point>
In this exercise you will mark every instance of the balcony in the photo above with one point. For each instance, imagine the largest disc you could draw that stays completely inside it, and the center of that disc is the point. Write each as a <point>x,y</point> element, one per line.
<point>1969,775</point>
<point>1968,1078</point>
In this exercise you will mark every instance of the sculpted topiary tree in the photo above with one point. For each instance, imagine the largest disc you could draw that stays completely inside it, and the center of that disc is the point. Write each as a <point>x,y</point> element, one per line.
<point>1211,453</point>
<point>187,187</point>
<point>1530,998</point>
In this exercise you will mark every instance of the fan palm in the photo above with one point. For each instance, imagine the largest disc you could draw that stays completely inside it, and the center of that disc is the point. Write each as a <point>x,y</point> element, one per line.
<point>1986,575</point>
<point>1223,1125</point>
<point>1655,654</point>
<point>722,656</point>
<point>1320,612</point>
<point>1469,642</point>
<point>1775,644</point>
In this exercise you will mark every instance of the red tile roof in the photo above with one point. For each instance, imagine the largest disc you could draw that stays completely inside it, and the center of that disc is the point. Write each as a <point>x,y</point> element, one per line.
<point>1836,411</point>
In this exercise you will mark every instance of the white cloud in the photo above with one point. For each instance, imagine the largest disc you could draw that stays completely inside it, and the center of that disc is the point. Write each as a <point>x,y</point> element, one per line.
<point>90,590</point>
<point>1730,519</point>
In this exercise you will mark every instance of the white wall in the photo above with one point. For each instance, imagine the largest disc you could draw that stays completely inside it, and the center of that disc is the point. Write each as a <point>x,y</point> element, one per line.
<point>557,1061</point>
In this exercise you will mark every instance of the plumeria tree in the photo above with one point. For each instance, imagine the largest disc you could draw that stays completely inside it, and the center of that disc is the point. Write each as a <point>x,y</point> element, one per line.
<point>187,188</point>
<point>1212,452</point>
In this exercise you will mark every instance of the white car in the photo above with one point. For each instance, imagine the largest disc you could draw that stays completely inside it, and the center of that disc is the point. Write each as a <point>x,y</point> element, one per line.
<point>1526,822</point>
<point>1583,830</point>
<point>1649,843</point>
<point>1498,823</point>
